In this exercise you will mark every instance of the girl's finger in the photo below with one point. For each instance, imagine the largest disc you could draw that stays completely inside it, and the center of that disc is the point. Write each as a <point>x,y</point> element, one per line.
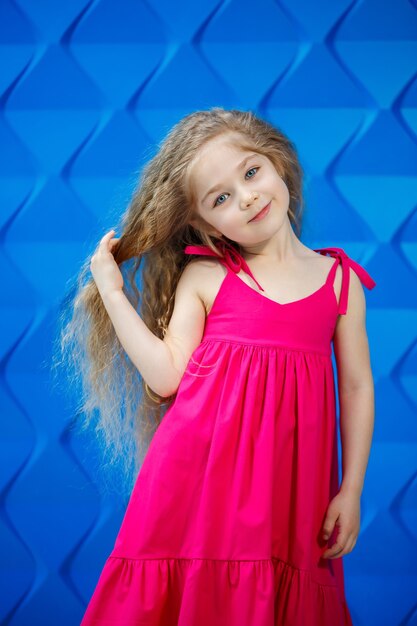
<point>105,240</point>
<point>335,549</point>
<point>108,235</point>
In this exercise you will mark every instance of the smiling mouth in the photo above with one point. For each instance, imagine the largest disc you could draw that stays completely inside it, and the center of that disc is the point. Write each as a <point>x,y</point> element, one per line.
<point>261,212</point>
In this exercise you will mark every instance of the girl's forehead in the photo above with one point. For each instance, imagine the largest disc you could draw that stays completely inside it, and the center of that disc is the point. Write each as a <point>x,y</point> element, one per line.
<point>213,149</point>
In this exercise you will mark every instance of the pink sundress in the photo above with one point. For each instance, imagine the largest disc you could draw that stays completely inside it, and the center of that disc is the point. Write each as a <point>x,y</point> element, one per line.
<point>223,527</point>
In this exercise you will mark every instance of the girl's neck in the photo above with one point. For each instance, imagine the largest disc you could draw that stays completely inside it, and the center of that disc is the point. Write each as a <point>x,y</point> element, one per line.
<point>282,248</point>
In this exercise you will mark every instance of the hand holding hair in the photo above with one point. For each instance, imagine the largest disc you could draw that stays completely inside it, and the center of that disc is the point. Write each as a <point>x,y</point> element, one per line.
<point>105,270</point>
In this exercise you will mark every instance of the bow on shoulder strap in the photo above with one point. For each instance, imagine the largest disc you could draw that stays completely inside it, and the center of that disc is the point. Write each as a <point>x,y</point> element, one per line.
<point>346,262</point>
<point>231,257</point>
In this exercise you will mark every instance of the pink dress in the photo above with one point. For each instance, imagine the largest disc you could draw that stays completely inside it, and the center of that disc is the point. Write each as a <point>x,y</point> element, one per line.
<point>223,527</point>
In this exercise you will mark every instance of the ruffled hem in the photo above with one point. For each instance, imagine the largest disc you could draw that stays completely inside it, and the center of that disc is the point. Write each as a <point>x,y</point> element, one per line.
<point>209,592</point>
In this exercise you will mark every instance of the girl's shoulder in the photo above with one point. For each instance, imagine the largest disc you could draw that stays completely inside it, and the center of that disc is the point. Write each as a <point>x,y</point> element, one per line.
<point>350,275</point>
<point>206,274</point>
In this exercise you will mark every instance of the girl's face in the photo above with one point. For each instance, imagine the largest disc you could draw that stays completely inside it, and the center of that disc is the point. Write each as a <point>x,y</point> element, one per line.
<point>231,186</point>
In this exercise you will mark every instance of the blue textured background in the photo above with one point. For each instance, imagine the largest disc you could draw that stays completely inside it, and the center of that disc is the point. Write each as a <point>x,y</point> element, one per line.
<point>87,89</point>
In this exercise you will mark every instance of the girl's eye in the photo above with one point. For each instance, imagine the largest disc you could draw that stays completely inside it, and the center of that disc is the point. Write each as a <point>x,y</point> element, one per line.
<point>252,168</point>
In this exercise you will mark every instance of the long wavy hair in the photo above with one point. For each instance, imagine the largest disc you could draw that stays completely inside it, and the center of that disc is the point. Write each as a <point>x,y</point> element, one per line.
<point>153,231</point>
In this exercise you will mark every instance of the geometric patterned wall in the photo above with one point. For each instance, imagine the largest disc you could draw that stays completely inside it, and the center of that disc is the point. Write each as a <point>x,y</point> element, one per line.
<point>87,90</point>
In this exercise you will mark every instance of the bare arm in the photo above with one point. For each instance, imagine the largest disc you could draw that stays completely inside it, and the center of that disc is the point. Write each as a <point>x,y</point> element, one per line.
<point>150,355</point>
<point>161,362</point>
<point>355,387</point>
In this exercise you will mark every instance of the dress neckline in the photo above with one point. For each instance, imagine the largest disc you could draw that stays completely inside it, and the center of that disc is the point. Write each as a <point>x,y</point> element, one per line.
<point>282,304</point>
<point>234,261</point>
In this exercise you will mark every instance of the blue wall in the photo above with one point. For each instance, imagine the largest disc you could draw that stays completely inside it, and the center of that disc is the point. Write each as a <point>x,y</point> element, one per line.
<point>87,90</point>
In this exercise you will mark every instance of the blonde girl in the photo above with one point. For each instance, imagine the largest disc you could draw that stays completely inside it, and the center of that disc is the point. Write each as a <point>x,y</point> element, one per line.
<point>222,354</point>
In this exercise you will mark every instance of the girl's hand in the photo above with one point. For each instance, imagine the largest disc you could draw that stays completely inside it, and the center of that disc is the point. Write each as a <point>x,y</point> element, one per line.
<point>344,513</point>
<point>104,268</point>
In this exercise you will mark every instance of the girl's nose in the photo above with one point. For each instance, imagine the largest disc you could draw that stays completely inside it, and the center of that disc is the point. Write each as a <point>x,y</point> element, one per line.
<point>253,196</point>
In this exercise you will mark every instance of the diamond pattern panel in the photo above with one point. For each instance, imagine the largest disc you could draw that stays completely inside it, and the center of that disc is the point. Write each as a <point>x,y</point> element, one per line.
<point>87,90</point>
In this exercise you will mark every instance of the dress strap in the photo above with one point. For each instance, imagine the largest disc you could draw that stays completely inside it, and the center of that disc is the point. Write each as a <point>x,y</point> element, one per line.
<point>231,258</point>
<point>346,262</point>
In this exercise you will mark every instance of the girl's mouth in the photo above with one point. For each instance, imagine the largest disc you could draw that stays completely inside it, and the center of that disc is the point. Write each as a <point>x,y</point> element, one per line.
<point>261,213</point>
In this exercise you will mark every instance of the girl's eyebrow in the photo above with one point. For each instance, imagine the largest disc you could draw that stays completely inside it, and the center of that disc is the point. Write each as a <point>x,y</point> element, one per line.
<point>216,187</point>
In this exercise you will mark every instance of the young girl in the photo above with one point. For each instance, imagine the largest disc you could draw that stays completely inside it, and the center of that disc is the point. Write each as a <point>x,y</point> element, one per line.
<point>236,517</point>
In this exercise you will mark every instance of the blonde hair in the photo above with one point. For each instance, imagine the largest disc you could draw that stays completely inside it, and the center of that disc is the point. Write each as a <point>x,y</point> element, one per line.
<point>155,229</point>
